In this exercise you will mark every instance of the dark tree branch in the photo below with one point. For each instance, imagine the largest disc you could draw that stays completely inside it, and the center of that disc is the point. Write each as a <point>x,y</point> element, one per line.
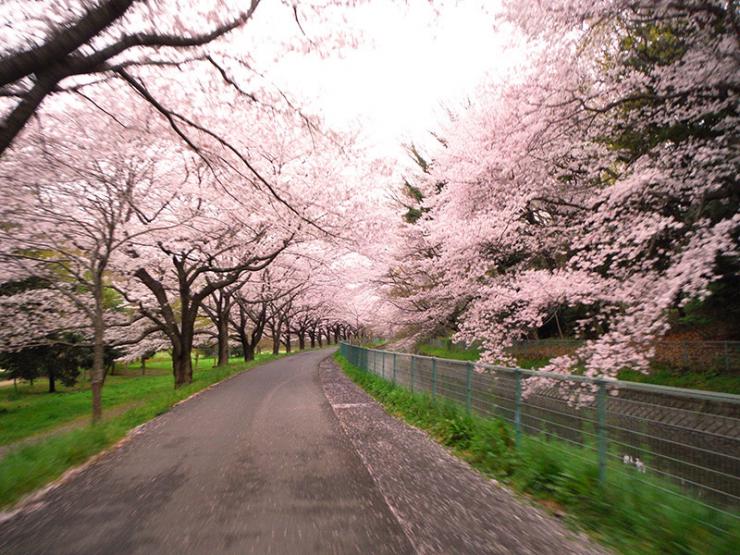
<point>23,111</point>
<point>174,117</point>
<point>64,41</point>
<point>229,80</point>
<point>56,59</point>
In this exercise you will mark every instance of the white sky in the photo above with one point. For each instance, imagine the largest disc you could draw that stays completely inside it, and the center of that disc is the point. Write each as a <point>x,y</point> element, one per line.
<point>413,60</point>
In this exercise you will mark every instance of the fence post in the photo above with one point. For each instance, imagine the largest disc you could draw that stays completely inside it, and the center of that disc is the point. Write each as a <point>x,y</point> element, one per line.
<point>394,368</point>
<point>601,430</point>
<point>727,356</point>
<point>434,378</point>
<point>469,389</point>
<point>518,407</point>
<point>412,372</point>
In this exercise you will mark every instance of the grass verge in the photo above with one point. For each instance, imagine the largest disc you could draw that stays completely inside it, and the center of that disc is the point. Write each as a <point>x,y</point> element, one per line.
<point>632,513</point>
<point>660,373</point>
<point>27,468</point>
<point>711,380</point>
<point>28,410</point>
<point>451,353</point>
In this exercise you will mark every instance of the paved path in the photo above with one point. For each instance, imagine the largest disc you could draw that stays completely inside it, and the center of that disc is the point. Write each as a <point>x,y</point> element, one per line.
<point>259,464</point>
<point>443,505</point>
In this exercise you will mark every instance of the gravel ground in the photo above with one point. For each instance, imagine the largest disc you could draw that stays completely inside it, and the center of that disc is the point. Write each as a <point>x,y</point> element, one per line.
<point>442,504</point>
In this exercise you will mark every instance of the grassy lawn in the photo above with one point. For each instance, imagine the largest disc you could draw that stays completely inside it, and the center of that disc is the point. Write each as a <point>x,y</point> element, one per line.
<point>710,380</point>
<point>31,409</point>
<point>660,374</point>
<point>633,513</point>
<point>29,412</point>
<point>448,352</point>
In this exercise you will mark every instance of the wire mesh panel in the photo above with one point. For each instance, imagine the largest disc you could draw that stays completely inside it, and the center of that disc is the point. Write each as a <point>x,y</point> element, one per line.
<point>451,380</point>
<point>686,442</point>
<point>693,440</point>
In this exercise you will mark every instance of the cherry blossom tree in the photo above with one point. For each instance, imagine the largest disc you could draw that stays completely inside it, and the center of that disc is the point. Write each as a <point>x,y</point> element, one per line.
<point>248,317</point>
<point>172,274</point>
<point>218,307</point>
<point>601,180</point>
<point>53,42</point>
<point>66,210</point>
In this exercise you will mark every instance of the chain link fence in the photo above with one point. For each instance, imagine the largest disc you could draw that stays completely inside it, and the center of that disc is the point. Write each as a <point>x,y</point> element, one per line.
<point>688,440</point>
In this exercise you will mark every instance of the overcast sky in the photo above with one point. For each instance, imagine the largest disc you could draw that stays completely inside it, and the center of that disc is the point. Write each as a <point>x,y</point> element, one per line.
<point>412,61</point>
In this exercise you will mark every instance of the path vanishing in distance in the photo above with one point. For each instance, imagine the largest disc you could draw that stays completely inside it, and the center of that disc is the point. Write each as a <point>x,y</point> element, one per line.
<point>266,463</point>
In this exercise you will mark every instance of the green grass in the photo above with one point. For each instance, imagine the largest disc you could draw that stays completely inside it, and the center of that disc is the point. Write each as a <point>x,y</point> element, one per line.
<point>711,380</point>
<point>633,513</point>
<point>30,409</point>
<point>451,353</point>
<point>27,468</point>
<point>660,374</point>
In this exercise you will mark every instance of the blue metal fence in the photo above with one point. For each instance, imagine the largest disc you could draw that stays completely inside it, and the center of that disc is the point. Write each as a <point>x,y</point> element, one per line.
<point>688,437</point>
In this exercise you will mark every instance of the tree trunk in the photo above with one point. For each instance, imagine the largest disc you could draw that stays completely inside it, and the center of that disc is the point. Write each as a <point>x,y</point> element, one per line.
<point>223,343</point>
<point>312,337</point>
<point>321,341</point>
<point>97,376</point>
<point>276,333</point>
<point>52,381</point>
<point>182,366</point>
<point>301,341</point>
<point>248,351</point>
<point>557,322</point>
<point>288,344</point>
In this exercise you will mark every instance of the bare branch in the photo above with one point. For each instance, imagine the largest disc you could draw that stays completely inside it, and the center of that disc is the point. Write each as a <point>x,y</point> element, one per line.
<point>64,41</point>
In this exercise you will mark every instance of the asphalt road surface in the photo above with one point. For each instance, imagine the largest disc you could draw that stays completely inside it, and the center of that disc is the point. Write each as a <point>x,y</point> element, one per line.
<point>257,464</point>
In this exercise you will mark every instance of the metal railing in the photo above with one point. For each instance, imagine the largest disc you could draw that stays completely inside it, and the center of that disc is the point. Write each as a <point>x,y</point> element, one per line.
<point>689,438</point>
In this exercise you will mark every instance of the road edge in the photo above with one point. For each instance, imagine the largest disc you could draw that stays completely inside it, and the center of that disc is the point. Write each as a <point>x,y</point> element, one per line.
<point>34,499</point>
<point>403,525</point>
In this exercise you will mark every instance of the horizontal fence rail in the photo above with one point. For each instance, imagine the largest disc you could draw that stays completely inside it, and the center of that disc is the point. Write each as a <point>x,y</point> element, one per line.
<point>687,440</point>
